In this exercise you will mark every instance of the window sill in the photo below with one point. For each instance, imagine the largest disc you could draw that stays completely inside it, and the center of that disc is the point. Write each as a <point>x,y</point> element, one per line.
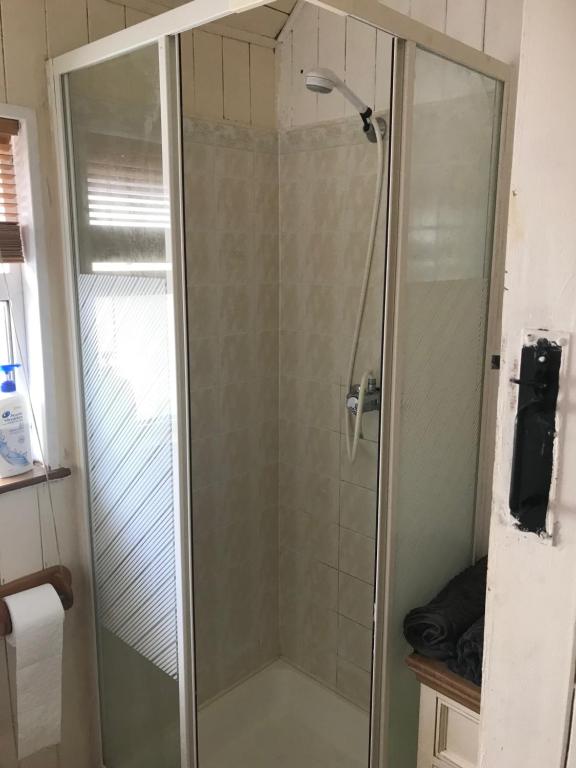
<point>35,476</point>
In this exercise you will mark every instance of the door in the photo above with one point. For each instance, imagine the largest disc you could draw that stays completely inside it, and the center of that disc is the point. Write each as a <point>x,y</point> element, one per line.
<point>440,358</point>
<point>127,305</point>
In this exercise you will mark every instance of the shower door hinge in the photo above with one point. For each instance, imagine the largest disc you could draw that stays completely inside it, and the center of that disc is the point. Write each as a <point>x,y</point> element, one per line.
<point>495,362</point>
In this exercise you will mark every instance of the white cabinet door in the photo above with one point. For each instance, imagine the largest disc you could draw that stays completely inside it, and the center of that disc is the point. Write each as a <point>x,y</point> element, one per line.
<point>448,733</point>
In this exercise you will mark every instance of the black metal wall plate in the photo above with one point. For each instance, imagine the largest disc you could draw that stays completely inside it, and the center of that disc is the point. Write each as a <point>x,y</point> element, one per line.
<point>534,434</point>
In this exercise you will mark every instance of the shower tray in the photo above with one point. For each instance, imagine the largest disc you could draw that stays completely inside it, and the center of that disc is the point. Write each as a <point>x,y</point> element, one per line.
<point>281,718</point>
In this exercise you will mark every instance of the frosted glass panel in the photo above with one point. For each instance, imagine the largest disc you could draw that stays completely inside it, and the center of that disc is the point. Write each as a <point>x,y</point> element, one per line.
<point>442,348</point>
<point>125,310</point>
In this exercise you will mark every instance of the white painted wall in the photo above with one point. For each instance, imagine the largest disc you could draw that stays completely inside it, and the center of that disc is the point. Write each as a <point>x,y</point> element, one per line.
<point>531,611</point>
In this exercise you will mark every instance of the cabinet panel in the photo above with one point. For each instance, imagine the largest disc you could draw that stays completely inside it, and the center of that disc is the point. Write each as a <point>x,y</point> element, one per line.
<point>456,735</point>
<point>449,733</point>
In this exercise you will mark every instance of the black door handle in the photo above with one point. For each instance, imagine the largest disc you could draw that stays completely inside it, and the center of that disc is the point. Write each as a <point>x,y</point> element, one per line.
<point>534,434</point>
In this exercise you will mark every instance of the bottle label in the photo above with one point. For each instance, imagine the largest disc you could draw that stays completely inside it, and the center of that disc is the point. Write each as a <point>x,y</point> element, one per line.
<point>14,442</point>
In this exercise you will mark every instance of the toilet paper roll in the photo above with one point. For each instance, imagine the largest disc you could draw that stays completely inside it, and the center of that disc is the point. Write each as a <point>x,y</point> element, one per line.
<point>37,632</point>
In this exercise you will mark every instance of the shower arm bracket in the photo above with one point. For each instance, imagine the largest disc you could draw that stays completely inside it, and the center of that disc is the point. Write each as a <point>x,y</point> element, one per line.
<point>366,119</point>
<point>369,125</point>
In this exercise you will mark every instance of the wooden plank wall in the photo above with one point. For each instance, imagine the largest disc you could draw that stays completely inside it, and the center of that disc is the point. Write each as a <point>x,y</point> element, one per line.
<point>357,52</point>
<point>235,78</point>
<point>228,79</point>
<point>360,54</point>
<point>493,26</point>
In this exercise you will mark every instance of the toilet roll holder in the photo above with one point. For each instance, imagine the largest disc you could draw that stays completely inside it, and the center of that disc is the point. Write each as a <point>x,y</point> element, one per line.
<point>58,576</point>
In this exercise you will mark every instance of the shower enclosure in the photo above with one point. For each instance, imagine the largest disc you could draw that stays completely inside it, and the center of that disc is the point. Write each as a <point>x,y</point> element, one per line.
<point>254,284</point>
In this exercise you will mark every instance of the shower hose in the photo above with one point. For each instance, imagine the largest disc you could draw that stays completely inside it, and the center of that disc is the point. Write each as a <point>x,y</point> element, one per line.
<point>354,423</point>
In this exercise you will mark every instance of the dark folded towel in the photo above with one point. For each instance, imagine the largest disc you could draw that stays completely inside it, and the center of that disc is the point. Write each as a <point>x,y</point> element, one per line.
<point>469,651</point>
<point>434,629</point>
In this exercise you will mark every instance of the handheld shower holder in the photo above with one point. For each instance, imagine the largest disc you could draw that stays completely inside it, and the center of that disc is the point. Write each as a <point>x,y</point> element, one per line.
<point>370,123</point>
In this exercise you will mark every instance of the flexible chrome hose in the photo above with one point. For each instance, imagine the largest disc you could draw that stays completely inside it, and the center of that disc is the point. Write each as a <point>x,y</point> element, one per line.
<point>352,439</point>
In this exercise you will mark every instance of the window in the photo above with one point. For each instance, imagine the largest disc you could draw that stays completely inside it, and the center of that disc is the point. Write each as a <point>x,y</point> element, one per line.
<point>10,240</point>
<point>25,318</point>
<point>12,348</point>
<point>6,334</point>
<point>11,249</point>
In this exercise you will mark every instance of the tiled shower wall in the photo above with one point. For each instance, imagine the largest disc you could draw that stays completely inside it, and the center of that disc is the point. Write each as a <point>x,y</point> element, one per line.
<point>231,203</point>
<point>327,506</point>
<point>296,581</point>
<point>285,553</point>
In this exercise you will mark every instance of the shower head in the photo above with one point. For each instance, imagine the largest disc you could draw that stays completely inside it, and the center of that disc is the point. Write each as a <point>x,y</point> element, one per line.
<point>324,81</point>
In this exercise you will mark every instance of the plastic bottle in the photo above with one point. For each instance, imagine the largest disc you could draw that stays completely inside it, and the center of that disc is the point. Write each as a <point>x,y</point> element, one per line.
<point>15,455</point>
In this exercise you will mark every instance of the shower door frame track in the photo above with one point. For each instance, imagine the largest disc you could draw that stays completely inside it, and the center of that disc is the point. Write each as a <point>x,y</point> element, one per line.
<point>163,30</point>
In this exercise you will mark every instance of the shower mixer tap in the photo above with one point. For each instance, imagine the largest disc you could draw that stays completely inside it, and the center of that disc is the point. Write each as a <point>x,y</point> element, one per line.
<point>371,398</point>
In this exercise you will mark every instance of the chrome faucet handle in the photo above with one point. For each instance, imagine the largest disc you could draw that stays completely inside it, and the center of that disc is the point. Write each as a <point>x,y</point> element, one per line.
<point>352,400</point>
<point>371,398</point>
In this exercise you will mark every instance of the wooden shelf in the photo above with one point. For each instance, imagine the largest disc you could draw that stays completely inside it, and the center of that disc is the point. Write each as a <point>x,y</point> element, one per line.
<point>36,476</point>
<point>436,675</point>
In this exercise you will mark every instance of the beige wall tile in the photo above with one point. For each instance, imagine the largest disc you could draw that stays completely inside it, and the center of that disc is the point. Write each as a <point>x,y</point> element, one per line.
<point>355,599</point>
<point>233,329</point>
<point>302,575</point>
<point>355,643</point>
<point>326,193</point>
<point>358,510</point>
<point>364,471</point>
<point>357,555</point>
<point>354,683</point>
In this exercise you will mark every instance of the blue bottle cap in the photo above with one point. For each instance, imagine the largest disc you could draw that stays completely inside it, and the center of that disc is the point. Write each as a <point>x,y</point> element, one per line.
<point>9,385</point>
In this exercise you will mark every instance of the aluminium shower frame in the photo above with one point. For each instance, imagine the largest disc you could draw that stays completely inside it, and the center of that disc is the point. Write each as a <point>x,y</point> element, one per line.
<point>163,30</point>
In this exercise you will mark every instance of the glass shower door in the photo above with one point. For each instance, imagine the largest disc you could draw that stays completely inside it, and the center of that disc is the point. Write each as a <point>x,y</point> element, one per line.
<point>443,307</point>
<point>126,308</point>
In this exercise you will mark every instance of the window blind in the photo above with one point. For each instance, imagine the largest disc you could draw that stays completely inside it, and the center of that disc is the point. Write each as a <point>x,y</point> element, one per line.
<point>11,250</point>
<point>125,185</point>
<point>124,210</point>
